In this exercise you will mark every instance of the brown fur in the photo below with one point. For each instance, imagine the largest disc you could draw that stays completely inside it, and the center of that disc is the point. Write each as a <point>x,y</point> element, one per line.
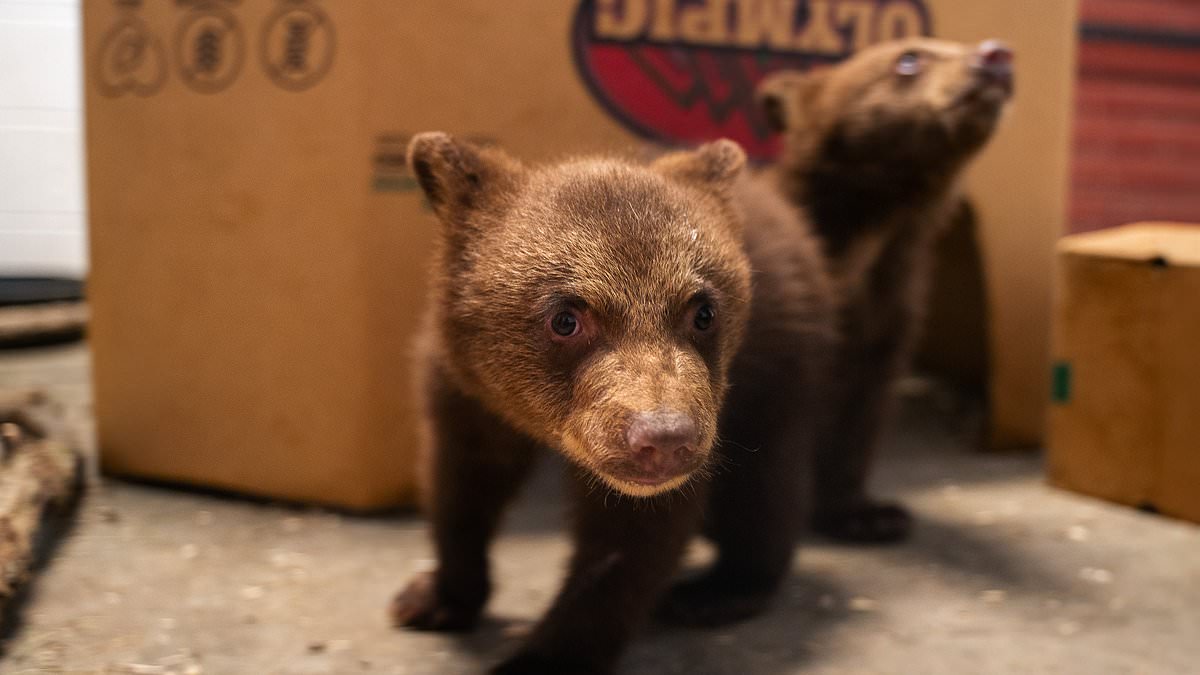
<point>873,157</point>
<point>631,250</point>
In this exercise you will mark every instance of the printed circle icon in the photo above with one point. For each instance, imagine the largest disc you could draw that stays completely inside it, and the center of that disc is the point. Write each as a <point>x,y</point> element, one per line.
<point>130,60</point>
<point>297,46</point>
<point>210,49</point>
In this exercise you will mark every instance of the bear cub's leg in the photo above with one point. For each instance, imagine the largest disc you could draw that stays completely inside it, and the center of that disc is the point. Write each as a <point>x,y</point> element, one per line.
<point>759,505</point>
<point>625,553</point>
<point>479,463</point>
<point>844,511</point>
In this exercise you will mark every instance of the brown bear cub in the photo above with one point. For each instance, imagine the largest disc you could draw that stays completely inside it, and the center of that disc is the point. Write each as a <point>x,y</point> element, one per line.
<point>663,327</point>
<point>873,152</point>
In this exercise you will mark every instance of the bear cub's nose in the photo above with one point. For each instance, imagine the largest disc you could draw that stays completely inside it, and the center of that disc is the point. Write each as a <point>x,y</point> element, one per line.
<point>994,60</point>
<point>662,443</point>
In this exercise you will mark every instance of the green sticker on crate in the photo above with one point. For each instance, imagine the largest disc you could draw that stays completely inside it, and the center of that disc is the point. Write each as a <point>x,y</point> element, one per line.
<point>1060,388</point>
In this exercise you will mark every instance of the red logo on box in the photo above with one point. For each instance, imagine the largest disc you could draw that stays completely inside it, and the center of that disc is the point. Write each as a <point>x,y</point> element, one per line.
<point>684,71</point>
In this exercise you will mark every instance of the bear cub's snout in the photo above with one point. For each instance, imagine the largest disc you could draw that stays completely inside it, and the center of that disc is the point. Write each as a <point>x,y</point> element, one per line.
<point>663,445</point>
<point>993,65</point>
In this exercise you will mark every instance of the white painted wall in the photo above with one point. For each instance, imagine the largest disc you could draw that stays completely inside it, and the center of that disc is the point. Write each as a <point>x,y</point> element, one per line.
<point>42,200</point>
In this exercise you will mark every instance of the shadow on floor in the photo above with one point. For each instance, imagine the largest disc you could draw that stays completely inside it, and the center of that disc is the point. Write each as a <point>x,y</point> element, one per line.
<point>782,640</point>
<point>983,555</point>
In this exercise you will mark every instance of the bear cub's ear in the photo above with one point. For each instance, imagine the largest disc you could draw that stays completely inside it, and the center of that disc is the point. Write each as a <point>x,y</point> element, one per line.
<point>713,165</point>
<point>458,176</point>
<point>786,95</point>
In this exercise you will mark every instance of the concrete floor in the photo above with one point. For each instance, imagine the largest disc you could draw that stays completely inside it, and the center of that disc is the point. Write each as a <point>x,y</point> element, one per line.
<point>1004,575</point>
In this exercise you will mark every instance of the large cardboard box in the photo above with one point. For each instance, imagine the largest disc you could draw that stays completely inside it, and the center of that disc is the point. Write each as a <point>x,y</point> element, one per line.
<point>1124,423</point>
<point>258,251</point>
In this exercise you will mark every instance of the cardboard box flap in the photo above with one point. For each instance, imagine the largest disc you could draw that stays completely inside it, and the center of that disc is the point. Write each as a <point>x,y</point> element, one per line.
<point>1162,243</point>
<point>1123,424</point>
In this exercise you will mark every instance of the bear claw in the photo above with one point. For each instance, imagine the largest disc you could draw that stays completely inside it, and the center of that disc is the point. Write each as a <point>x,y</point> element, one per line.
<point>866,523</point>
<point>418,607</point>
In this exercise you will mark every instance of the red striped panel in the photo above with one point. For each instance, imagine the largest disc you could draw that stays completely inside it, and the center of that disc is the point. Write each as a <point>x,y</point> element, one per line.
<point>1180,15</point>
<point>1111,137</point>
<point>1135,175</point>
<point>1157,64</point>
<point>1122,99</point>
<point>1094,201</point>
<point>1137,125</point>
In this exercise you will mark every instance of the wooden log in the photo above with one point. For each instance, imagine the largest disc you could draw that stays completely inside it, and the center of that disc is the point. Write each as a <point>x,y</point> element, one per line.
<point>25,325</point>
<point>40,478</point>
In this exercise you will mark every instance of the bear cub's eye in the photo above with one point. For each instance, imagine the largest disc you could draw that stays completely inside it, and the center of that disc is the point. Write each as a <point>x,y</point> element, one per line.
<point>705,315</point>
<point>565,324</point>
<point>910,63</point>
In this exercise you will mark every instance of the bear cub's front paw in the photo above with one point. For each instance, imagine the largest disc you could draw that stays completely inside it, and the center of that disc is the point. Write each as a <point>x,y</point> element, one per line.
<point>710,601</point>
<point>867,522</point>
<point>530,663</point>
<point>419,607</point>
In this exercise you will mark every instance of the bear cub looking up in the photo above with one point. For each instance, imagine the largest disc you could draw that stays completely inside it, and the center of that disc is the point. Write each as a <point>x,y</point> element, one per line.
<point>661,326</point>
<point>874,149</point>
